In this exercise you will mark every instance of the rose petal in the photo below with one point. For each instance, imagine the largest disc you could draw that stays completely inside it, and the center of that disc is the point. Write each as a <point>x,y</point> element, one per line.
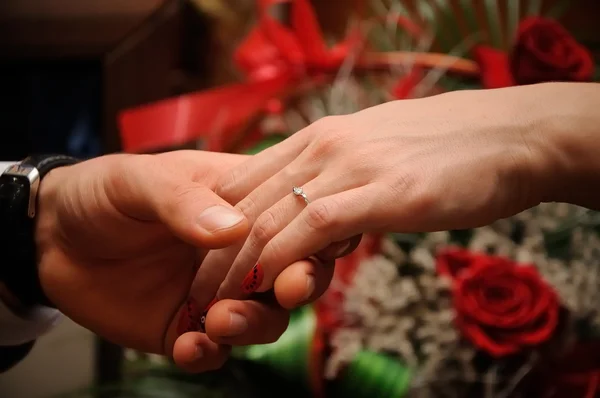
<point>545,51</point>
<point>542,329</point>
<point>470,304</point>
<point>452,261</point>
<point>512,298</point>
<point>502,307</point>
<point>543,293</point>
<point>482,340</point>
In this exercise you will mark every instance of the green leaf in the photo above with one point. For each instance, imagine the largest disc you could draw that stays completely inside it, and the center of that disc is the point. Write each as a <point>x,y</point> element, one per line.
<point>404,38</point>
<point>428,14</point>
<point>373,374</point>
<point>494,22</point>
<point>513,10</point>
<point>448,23</point>
<point>379,38</point>
<point>461,236</point>
<point>289,356</point>
<point>470,17</point>
<point>535,7</point>
<point>407,241</point>
<point>453,83</point>
<point>558,242</point>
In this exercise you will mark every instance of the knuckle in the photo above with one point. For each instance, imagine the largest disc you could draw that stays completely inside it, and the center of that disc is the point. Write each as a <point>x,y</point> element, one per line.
<point>181,194</point>
<point>327,123</point>
<point>226,185</point>
<point>403,182</point>
<point>320,215</point>
<point>127,170</point>
<point>248,207</point>
<point>329,133</point>
<point>290,173</point>
<point>264,228</point>
<point>417,195</point>
<point>273,251</point>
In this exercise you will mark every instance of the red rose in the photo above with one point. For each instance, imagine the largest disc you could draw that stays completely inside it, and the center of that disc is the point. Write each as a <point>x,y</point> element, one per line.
<point>453,260</point>
<point>544,51</point>
<point>502,307</point>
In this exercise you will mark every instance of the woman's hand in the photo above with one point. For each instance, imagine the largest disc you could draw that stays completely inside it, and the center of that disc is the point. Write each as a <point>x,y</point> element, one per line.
<point>243,322</point>
<point>453,161</point>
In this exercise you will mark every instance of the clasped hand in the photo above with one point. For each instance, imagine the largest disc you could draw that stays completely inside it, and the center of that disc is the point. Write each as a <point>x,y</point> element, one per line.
<point>124,240</point>
<point>407,166</point>
<point>120,239</point>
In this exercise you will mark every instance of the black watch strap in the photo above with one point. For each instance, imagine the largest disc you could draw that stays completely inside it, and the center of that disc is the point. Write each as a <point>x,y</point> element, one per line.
<point>18,204</point>
<point>45,163</point>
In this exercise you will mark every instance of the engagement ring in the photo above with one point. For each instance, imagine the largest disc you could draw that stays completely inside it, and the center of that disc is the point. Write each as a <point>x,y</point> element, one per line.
<point>299,192</point>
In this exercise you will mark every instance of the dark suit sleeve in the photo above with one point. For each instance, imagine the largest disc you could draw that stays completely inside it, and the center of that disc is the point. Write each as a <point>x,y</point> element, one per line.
<point>10,356</point>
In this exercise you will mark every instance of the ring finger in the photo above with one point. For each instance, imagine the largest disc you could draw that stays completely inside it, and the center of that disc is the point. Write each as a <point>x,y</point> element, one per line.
<point>216,264</point>
<point>245,274</point>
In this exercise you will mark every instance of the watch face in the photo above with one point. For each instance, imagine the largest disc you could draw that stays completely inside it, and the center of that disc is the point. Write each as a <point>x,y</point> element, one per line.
<point>14,194</point>
<point>19,184</point>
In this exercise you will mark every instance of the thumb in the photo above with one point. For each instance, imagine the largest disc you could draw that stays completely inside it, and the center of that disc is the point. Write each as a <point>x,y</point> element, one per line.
<point>143,189</point>
<point>198,216</point>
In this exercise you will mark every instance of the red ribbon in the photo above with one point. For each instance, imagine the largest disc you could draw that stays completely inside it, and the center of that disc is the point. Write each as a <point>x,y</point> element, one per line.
<point>273,56</point>
<point>297,48</point>
<point>276,58</point>
<point>181,120</point>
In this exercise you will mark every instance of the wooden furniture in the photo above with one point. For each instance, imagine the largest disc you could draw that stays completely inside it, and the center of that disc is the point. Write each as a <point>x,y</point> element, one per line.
<point>69,28</point>
<point>143,47</point>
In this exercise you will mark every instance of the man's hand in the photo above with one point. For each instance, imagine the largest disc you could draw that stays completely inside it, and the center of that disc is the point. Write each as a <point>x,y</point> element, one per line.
<point>121,237</point>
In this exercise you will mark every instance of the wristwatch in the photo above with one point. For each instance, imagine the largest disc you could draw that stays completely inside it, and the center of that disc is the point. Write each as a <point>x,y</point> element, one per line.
<point>19,186</point>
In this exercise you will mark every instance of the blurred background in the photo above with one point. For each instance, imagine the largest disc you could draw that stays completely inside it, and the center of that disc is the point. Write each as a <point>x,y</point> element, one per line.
<point>67,70</point>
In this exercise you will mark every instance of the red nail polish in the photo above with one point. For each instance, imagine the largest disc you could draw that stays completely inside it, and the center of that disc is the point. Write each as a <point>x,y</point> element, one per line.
<point>253,280</point>
<point>191,319</point>
<point>188,318</point>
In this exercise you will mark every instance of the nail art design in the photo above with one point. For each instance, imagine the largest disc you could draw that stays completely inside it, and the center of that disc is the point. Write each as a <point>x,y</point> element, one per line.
<point>253,280</point>
<point>191,319</point>
<point>188,320</point>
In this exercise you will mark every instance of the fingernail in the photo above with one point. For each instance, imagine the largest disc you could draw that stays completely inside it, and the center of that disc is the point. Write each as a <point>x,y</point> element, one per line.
<point>199,352</point>
<point>188,319</point>
<point>342,249</point>
<point>237,324</point>
<point>218,217</point>
<point>253,280</point>
<point>310,286</point>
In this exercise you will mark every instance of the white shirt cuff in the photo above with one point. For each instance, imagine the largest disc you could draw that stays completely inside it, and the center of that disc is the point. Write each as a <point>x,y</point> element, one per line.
<point>17,330</point>
<point>4,166</point>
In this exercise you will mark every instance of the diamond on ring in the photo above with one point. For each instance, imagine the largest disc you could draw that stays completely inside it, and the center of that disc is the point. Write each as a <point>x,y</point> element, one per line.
<point>299,192</point>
